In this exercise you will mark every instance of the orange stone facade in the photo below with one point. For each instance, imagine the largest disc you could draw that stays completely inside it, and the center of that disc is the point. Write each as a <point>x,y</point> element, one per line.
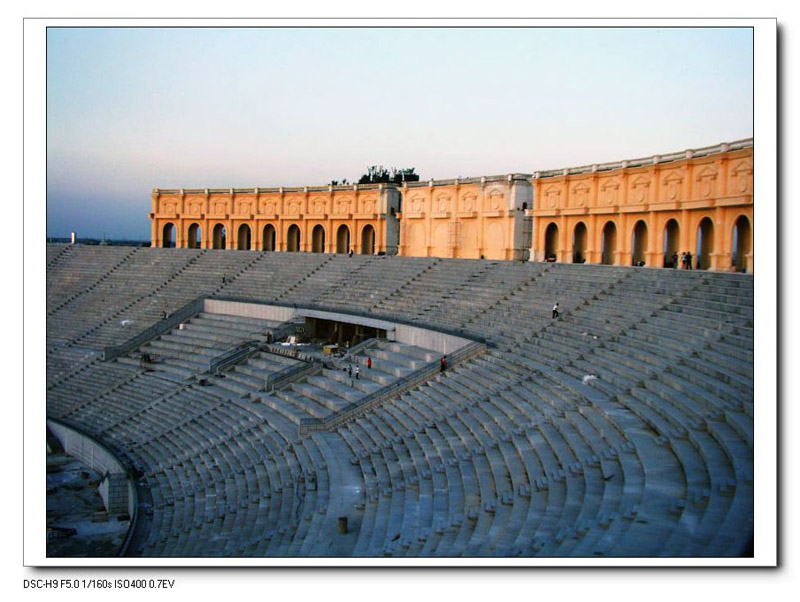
<point>331,219</point>
<point>472,218</point>
<point>637,212</point>
<point>642,212</point>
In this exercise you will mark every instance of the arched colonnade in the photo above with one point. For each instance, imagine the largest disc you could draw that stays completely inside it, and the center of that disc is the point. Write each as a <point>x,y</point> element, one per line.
<point>288,237</point>
<point>718,241</point>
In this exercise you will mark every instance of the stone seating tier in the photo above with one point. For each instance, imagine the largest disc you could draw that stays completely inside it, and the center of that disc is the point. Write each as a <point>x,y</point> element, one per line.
<point>508,454</point>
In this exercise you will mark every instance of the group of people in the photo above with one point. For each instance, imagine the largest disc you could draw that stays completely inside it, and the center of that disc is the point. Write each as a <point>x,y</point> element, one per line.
<point>357,369</point>
<point>351,371</point>
<point>686,260</point>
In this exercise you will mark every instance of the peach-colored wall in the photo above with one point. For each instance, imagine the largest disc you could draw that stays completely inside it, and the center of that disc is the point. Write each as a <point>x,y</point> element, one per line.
<point>491,216</point>
<point>330,207</point>
<point>480,217</point>
<point>718,186</point>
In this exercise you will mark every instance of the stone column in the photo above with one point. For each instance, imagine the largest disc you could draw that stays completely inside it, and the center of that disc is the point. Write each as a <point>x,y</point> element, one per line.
<point>624,254</point>
<point>257,233</point>
<point>686,233</point>
<point>280,233</point>
<point>563,255</point>
<point>592,239</point>
<point>721,253</point>
<point>204,233</point>
<point>654,255</point>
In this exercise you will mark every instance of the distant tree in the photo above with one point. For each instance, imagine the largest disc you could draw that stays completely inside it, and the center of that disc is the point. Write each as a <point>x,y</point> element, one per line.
<point>379,174</point>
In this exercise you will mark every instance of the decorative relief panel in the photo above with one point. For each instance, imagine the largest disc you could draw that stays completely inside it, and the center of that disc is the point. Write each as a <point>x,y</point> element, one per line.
<point>640,190</point>
<point>368,205</point>
<point>706,182</point>
<point>742,177</point>
<point>672,186</point>
<point>442,204</point>
<point>219,207</point>
<point>342,206</point>
<point>552,197</point>
<point>318,206</point>
<point>580,194</point>
<point>609,192</point>
<point>293,207</point>
<point>467,202</point>
<point>243,208</point>
<point>195,207</point>
<point>417,203</point>
<point>268,207</point>
<point>169,207</point>
<point>494,200</point>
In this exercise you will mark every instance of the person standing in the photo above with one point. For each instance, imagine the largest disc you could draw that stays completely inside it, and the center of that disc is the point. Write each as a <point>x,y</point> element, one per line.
<point>688,260</point>
<point>443,364</point>
<point>358,371</point>
<point>555,311</point>
<point>369,363</point>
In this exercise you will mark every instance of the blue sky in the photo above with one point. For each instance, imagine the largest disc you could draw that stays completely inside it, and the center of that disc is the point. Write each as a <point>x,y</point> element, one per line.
<point>132,109</point>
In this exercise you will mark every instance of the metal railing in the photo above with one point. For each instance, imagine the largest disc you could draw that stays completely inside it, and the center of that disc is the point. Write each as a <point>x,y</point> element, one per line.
<point>233,356</point>
<point>398,387</point>
<point>290,374</point>
<point>188,311</point>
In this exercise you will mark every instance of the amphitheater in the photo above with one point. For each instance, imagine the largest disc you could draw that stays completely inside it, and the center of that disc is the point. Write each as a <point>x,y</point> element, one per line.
<point>623,428</point>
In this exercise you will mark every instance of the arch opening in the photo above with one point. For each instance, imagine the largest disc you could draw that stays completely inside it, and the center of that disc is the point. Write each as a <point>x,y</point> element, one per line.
<point>343,239</point>
<point>318,239</point>
<point>268,241</point>
<point>609,246</point>
<point>551,242</point>
<point>639,244</point>
<point>368,240</point>
<point>293,239</point>
<point>219,236</point>
<point>741,243</point>
<point>579,243</point>
<point>243,238</point>
<point>671,240</point>
<point>168,236</point>
<point>705,243</point>
<point>194,237</point>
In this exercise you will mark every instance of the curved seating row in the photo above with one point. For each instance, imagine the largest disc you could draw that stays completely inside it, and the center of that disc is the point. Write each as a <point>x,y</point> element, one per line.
<point>623,428</point>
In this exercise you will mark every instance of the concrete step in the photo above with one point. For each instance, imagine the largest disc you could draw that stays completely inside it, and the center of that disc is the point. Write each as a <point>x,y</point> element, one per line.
<point>321,396</point>
<point>335,387</point>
